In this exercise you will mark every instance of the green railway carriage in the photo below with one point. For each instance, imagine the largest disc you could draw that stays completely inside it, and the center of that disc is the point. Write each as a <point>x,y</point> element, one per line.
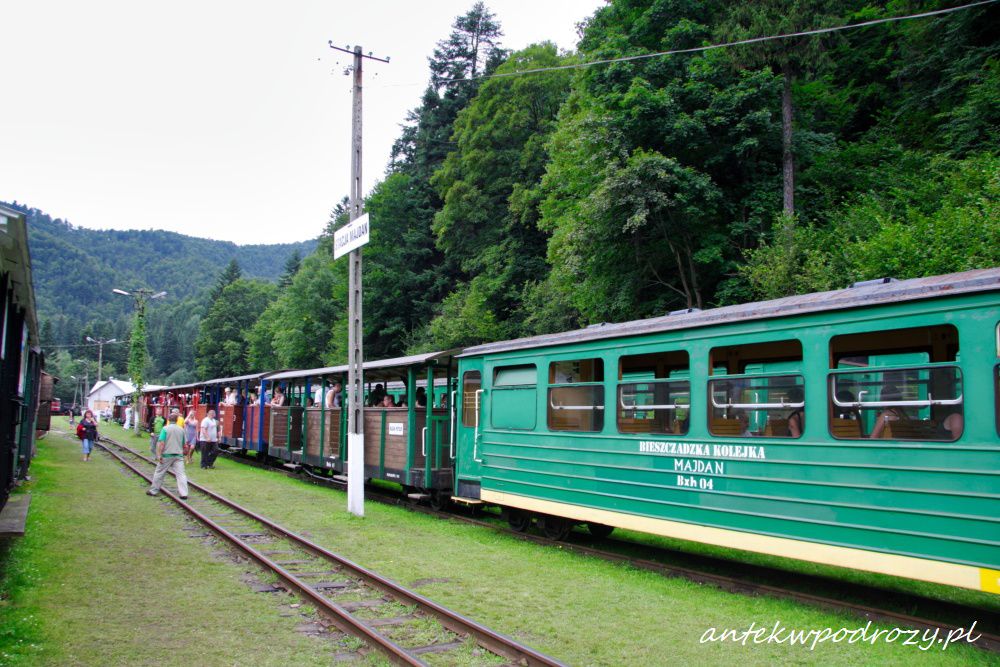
<point>856,427</point>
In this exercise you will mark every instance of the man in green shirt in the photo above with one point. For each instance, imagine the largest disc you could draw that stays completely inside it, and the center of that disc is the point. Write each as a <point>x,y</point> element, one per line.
<point>170,456</point>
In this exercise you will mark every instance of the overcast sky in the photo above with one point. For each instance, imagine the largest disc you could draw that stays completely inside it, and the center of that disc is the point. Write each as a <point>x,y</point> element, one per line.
<point>218,118</point>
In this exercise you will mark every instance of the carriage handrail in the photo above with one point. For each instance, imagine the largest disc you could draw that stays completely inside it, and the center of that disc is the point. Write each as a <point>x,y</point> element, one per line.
<point>573,407</point>
<point>652,406</point>
<point>757,406</point>
<point>452,424</point>
<point>929,402</point>
<point>475,437</point>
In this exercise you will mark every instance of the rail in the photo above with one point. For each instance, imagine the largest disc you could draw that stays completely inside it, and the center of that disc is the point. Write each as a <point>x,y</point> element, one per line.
<point>340,614</point>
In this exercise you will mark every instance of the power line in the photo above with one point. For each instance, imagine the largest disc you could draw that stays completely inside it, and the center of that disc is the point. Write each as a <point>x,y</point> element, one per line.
<point>709,47</point>
<point>48,347</point>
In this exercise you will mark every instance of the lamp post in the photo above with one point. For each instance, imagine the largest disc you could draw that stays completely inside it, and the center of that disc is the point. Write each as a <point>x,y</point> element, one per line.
<point>76,386</point>
<point>100,342</point>
<point>137,354</point>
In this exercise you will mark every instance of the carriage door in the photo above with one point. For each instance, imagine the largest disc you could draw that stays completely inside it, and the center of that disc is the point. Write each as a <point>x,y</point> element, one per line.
<point>466,416</point>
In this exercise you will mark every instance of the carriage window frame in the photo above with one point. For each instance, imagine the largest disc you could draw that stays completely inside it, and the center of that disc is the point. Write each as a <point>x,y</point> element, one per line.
<point>470,417</point>
<point>506,388</point>
<point>797,379</point>
<point>925,425</point>
<point>647,374</point>
<point>597,402</point>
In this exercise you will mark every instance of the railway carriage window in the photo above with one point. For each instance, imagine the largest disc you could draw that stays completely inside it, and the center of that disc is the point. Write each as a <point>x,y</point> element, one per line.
<point>654,393</point>
<point>472,382</point>
<point>514,397</point>
<point>576,395</point>
<point>757,390</point>
<point>900,384</point>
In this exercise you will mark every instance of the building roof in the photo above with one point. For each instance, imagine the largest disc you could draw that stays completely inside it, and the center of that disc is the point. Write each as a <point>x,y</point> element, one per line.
<point>869,293</point>
<point>121,386</point>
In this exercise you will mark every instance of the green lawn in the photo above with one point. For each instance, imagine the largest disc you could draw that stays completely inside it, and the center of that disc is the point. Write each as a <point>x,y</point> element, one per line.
<point>107,576</point>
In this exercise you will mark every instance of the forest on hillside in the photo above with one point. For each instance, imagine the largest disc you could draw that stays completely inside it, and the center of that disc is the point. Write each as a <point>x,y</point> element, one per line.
<point>75,269</point>
<point>520,204</point>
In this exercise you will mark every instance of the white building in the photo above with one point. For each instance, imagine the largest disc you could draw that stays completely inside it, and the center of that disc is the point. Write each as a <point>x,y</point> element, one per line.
<point>104,393</point>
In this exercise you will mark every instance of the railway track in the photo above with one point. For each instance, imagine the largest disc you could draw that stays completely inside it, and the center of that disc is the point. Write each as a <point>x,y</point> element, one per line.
<point>867,602</point>
<point>404,625</point>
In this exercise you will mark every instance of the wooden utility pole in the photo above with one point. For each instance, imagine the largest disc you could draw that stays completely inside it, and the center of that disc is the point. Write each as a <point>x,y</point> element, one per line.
<point>355,376</point>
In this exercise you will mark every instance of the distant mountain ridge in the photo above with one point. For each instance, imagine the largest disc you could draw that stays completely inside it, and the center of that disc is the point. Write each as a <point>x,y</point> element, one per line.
<point>76,268</point>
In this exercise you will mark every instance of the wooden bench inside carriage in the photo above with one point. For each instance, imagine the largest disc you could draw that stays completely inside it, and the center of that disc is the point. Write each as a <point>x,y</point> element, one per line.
<point>724,426</point>
<point>845,428</point>
<point>910,429</point>
<point>777,427</point>
<point>633,425</point>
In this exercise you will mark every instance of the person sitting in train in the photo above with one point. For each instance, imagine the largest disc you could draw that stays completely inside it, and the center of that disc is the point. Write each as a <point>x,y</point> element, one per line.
<point>952,426</point>
<point>253,398</point>
<point>797,418</point>
<point>421,397</point>
<point>279,397</point>
<point>387,402</point>
<point>845,396</point>
<point>378,393</point>
<point>892,414</point>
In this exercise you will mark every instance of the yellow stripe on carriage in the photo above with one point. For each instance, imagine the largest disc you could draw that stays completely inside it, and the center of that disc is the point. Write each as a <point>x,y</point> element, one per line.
<point>951,574</point>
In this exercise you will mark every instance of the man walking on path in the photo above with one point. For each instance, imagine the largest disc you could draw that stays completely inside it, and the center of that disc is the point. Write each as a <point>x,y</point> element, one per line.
<point>208,435</point>
<point>170,456</point>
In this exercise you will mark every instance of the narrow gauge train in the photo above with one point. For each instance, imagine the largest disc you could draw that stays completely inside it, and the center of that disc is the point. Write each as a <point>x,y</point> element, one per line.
<point>858,428</point>
<point>25,388</point>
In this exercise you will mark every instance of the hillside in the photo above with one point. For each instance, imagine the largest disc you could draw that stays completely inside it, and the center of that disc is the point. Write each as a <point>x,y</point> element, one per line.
<point>75,270</point>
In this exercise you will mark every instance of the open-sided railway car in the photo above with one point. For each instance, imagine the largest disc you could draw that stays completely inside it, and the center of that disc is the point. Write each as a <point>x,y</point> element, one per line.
<point>412,445</point>
<point>303,433</point>
<point>856,428</point>
<point>240,420</point>
<point>399,440</point>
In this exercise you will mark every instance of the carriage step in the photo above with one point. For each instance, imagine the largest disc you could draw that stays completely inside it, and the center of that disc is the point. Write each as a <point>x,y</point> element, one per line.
<point>466,501</point>
<point>339,478</point>
<point>291,466</point>
<point>418,496</point>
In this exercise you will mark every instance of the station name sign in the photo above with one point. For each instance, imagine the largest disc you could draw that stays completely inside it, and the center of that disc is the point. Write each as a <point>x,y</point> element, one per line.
<point>351,236</point>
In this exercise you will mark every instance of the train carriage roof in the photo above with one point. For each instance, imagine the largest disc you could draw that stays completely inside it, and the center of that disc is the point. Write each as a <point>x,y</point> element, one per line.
<point>869,293</point>
<point>236,378</point>
<point>397,363</point>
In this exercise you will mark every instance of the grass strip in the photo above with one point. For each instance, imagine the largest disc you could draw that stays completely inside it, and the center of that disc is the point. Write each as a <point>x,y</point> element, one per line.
<point>107,576</point>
